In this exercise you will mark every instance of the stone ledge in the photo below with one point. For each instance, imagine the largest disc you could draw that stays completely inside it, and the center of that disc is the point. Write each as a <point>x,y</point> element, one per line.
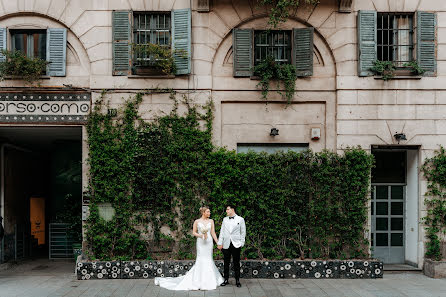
<point>344,269</point>
<point>434,269</point>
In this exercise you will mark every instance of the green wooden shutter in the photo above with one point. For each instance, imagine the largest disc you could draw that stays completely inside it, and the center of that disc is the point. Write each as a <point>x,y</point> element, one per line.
<point>2,42</point>
<point>426,23</point>
<point>367,49</point>
<point>303,51</point>
<point>242,52</point>
<point>181,40</point>
<point>121,42</point>
<point>56,51</point>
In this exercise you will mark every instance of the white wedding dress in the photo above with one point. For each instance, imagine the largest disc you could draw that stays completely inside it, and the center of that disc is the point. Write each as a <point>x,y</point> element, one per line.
<point>204,275</point>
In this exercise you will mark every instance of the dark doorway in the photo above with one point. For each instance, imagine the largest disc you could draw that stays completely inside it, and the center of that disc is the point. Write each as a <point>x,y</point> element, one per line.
<point>41,190</point>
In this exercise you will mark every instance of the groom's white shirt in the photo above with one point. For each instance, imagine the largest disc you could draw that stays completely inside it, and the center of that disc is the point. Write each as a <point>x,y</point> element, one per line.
<point>232,230</point>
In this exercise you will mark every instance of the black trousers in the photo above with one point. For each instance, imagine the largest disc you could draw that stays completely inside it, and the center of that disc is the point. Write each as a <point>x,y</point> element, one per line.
<point>235,253</point>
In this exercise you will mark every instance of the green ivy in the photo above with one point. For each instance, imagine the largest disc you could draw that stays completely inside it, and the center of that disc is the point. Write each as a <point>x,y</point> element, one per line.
<point>158,173</point>
<point>268,70</point>
<point>17,64</point>
<point>434,170</point>
<point>415,68</point>
<point>386,69</point>
<point>279,10</point>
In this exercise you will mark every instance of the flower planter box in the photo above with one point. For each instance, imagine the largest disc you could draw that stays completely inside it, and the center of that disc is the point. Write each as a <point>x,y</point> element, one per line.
<point>434,269</point>
<point>346,269</point>
<point>148,71</point>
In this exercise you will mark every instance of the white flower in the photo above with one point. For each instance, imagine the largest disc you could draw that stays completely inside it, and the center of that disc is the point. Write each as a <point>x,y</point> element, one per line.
<point>126,270</point>
<point>84,271</point>
<point>287,266</point>
<point>255,272</point>
<point>358,271</point>
<point>108,264</point>
<point>137,268</point>
<point>317,275</point>
<point>104,271</point>
<point>87,276</point>
<point>377,271</point>
<point>145,275</point>
<point>114,275</point>
<point>276,275</point>
<point>351,264</point>
<point>100,275</point>
<point>313,263</point>
<point>131,273</point>
<point>366,263</point>
<point>343,267</point>
<point>328,271</point>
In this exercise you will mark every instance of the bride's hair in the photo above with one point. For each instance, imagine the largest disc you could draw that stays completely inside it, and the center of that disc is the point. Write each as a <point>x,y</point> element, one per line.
<point>203,209</point>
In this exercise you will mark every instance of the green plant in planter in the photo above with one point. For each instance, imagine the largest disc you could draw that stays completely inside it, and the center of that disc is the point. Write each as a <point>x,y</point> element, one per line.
<point>268,70</point>
<point>17,64</point>
<point>415,68</point>
<point>156,56</point>
<point>386,69</point>
<point>280,9</point>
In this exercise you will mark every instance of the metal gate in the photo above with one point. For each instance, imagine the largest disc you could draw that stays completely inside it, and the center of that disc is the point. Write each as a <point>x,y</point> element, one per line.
<point>61,245</point>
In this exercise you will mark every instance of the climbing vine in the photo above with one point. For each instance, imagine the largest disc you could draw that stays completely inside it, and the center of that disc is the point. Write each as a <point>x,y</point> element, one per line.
<point>279,10</point>
<point>269,70</point>
<point>434,170</point>
<point>157,174</point>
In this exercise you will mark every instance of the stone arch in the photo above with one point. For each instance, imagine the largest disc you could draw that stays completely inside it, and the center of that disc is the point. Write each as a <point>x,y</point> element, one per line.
<point>323,62</point>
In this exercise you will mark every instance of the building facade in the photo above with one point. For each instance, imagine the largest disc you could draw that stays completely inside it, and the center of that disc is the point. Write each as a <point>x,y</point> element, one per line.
<point>338,103</point>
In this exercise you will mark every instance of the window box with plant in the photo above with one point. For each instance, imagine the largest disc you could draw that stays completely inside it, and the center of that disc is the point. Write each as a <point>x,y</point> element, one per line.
<point>387,48</point>
<point>17,65</point>
<point>153,59</point>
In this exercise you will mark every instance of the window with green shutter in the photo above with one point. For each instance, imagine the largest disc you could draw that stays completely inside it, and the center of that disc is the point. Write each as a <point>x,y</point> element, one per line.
<point>391,37</point>
<point>284,46</point>
<point>142,41</point>
<point>49,44</point>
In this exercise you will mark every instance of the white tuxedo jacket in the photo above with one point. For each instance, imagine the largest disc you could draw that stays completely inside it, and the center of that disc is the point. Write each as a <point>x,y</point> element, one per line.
<point>234,232</point>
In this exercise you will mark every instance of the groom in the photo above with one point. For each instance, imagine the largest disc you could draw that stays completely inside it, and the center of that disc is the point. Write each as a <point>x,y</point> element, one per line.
<point>231,240</point>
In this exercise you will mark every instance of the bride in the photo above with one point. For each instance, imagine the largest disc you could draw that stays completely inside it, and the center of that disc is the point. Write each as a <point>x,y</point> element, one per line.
<point>204,275</point>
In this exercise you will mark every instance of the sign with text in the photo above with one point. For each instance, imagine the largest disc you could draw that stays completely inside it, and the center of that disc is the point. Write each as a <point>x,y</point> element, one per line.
<point>44,108</point>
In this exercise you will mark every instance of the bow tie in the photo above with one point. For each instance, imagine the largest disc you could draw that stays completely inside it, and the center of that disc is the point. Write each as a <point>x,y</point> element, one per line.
<point>232,217</point>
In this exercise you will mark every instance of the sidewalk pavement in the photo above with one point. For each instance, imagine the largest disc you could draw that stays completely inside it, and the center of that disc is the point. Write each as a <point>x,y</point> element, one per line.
<point>48,278</point>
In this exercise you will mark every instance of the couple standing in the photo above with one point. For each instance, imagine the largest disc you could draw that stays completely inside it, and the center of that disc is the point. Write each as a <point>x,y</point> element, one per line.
<point>204,275</point>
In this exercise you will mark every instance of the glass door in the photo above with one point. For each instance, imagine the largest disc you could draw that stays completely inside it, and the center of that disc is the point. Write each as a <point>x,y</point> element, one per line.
<point>387,207</point>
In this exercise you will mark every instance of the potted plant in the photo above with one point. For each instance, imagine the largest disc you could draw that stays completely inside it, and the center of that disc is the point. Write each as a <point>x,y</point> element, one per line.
<point>18,65</point>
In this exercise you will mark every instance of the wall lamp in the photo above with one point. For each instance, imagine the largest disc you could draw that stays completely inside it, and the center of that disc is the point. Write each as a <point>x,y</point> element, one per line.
<point>400,136</point>
<point>274,132</point>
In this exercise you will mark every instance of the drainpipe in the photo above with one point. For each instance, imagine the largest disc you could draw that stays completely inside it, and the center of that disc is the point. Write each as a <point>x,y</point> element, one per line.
<point>2,187</point>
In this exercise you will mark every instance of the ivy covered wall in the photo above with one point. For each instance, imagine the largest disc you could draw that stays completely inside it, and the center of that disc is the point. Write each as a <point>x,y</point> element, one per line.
<point>157,174</point>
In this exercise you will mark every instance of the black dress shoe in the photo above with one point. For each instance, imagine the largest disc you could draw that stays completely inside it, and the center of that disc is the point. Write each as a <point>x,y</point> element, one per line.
<point>238,284</point>
<point>226,282</point>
